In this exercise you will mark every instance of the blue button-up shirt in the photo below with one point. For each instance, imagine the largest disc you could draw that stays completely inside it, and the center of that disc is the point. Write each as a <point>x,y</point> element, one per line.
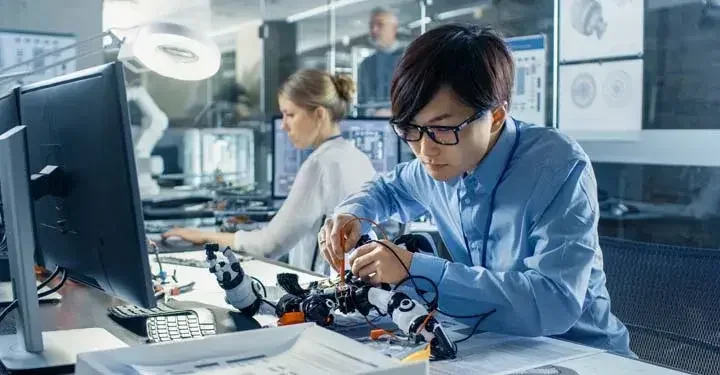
<point>543,268</point>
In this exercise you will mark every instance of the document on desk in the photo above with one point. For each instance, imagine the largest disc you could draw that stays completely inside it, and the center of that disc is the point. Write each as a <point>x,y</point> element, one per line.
<point>306,356</point>
<point>491,353</point>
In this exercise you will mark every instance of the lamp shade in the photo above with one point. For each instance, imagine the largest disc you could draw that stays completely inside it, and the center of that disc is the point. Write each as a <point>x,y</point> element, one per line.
<point>173,51</point>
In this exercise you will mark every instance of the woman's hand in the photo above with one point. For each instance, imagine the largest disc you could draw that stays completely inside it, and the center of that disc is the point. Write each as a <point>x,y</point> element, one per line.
<point>196,237</point>
<point>377,263</point>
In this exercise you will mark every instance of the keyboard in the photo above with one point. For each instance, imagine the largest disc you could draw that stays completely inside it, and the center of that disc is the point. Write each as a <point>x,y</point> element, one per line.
<point>163,328</point>
<point>165,323</point>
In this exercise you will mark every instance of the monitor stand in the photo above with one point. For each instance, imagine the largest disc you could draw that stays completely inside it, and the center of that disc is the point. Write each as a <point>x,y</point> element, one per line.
<point>31,348</point>
<point>60,348</point>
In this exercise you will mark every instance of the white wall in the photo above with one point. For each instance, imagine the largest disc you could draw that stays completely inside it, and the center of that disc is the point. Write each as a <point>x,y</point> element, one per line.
<point>80,17</point>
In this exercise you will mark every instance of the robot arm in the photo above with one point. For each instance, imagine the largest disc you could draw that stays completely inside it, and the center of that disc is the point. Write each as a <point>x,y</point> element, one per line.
<point>154,123</point>
<point>413,319</point>
<point>238,286</point>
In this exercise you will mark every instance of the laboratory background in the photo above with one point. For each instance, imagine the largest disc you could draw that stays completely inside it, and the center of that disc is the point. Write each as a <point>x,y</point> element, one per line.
<point>635,82</point>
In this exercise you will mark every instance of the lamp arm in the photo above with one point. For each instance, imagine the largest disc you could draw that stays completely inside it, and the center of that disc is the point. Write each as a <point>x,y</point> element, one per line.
<point>152,130</point>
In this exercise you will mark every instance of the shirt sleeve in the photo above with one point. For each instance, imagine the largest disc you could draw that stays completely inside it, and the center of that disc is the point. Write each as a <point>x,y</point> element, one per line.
<point>387,196</point>
<point>545,299</point>
<point>295,218</point>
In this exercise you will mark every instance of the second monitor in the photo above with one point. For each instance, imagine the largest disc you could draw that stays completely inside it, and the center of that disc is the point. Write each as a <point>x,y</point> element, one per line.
<point>373,136</point>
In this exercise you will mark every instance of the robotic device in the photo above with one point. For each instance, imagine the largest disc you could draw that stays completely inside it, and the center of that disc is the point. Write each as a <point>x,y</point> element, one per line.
<point>317,303</point>
<point>240,291</point>
<point>346,294</point>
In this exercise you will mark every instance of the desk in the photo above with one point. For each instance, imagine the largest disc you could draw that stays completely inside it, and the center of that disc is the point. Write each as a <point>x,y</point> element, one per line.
<point>83,307</point>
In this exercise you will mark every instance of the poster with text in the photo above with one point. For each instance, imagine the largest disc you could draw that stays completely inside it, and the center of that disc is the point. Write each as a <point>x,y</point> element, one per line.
<point>529,92</point>
<point>601,97</point>
<point>19,46</point>
<point>593,29</point>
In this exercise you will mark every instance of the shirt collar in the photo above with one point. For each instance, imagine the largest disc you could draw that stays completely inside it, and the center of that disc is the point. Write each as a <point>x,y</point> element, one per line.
<point>328,142</point>
<point>488,172</point>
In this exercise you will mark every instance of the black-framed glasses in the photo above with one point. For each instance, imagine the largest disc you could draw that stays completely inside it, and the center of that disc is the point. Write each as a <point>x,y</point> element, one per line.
<point>444,135</point>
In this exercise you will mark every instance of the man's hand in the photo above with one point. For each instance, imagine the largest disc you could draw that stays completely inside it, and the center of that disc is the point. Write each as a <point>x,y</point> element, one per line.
<point>344,229</point>
<point>376,263</point>
<point>197,237</point>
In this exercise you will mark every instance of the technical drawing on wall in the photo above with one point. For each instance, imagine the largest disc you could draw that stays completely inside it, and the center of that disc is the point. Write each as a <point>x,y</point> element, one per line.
<point>583,90</point>
<point>587,18</point>
<point>601,98</point>
<point>617,89</point>
<point>19,46</point>
<point>595,29</point>
<point>529,93</point>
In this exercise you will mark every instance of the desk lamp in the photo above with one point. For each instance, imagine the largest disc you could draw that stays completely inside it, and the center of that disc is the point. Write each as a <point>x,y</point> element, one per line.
<point>170,50</point>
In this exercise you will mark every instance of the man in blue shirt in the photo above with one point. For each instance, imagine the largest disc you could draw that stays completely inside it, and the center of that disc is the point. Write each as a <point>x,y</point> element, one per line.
<point>515,204</point>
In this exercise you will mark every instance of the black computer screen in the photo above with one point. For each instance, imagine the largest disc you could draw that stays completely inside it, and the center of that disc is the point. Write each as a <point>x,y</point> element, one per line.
<point>373,136</point>
<point>79,122</point>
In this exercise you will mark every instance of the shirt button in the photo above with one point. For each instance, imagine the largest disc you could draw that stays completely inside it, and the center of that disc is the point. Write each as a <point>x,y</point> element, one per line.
<point>466,200</point>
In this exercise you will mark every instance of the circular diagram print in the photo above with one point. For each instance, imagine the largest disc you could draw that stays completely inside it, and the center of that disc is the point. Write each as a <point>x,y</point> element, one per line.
<point>617,89</point>
<point>583,90</point>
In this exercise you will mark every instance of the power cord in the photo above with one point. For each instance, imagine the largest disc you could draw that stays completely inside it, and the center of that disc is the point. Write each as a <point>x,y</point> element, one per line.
<point>434,304</point>
<point>54,289</point>
<point>264,292</point>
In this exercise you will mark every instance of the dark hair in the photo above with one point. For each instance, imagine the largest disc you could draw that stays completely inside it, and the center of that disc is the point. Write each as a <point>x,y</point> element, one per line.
<point>473,61</point>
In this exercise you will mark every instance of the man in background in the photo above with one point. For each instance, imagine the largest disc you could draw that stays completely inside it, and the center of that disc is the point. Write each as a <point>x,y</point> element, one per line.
<point>375,72</point>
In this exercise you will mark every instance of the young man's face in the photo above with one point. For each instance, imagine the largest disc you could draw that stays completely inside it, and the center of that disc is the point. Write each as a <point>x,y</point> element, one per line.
<point>445,162</point>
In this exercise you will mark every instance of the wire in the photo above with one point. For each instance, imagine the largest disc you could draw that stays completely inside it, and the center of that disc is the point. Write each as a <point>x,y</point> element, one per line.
<point>434,304</point>
<point>477,324</point>
<point>50,278</point>
<point>274,306</point>
<point>341,265</point>
<point>264,291</point>
<point>54,289</point>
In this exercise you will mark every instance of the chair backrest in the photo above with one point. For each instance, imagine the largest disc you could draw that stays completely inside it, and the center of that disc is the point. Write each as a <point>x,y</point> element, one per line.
<point>669,298</point>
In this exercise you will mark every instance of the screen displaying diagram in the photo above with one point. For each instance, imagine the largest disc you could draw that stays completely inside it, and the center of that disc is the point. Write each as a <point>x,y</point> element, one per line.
<point>374,137</point>
<point>529,93</point>
<point>593,29</point>
<point>19,46</point>
<point>601,97</point>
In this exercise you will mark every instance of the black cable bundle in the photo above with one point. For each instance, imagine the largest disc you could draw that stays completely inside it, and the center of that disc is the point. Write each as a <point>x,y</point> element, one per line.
<point>290,283</point>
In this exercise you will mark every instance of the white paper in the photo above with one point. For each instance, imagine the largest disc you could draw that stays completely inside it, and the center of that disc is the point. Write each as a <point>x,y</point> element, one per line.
<point>607,363</point>
<point>306,356</point>
<point>529,93</point>
<point>601,98</point>
<point>490,353</point>
<point>592,29</point>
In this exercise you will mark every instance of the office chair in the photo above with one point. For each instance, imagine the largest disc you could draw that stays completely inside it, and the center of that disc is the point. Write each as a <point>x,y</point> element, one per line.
<point>669,299</point>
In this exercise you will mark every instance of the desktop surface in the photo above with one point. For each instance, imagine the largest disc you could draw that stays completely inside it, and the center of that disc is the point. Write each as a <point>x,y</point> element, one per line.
<point>373,136</point>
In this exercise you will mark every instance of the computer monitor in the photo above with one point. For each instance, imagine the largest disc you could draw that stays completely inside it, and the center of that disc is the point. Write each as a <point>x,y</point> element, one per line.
<point>373,136</point>
<point>87,216</point>
<point>9,118</point>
